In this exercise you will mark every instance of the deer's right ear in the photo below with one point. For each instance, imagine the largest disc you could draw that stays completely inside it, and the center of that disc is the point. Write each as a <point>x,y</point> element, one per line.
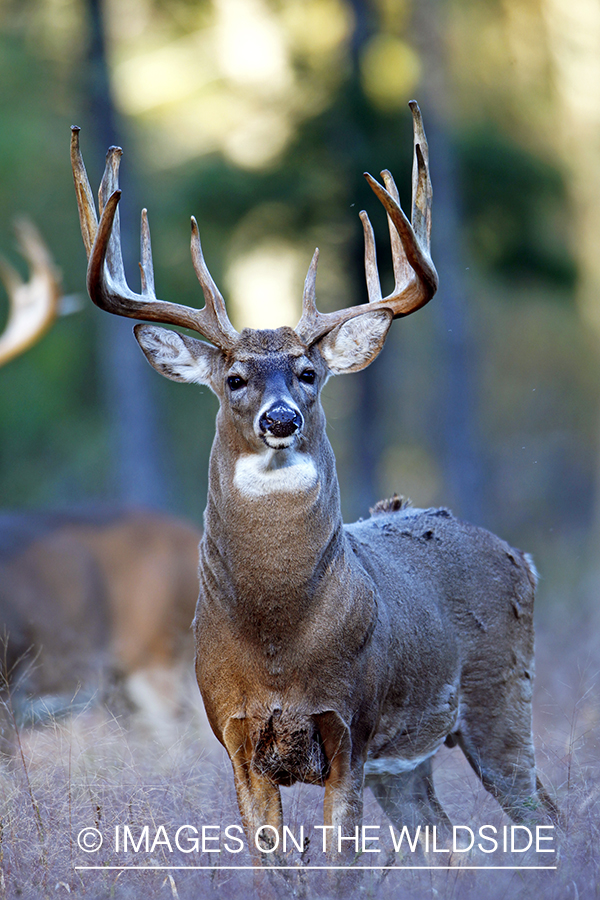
<point>353,344</point>
<point>177,356</point>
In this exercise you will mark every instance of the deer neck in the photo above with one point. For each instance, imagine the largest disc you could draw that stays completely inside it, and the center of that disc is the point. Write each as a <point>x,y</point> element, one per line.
<point>272,522</point>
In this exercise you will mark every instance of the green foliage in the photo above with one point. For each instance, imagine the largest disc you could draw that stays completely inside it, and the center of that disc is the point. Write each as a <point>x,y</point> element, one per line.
<point>515,207</point>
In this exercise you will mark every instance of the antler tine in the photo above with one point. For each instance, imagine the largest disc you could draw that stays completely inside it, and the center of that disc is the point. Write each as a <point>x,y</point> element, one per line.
<point>371,270</point>
<point>415,275</point>
<point>146,267</point>
<point>214,315</point>
<point>88,219</point>
<point>309,298</point>
<point>310,313</point>
<point>34,304</point>
<point>421,182</point>
<point>109,186</point>
<point>403,271</point>
<point>106,281</point>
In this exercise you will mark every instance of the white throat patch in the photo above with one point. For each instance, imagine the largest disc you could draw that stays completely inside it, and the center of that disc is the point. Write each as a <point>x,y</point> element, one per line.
<point>272,471</point>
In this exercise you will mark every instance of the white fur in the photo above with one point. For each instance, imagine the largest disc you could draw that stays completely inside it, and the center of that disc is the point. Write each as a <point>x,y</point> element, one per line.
<point>273,471</point>
<point>534,572</point>
<point>354,344</point>
<point>279,443</point>
<point>171,356</point>
<point>393,765</point>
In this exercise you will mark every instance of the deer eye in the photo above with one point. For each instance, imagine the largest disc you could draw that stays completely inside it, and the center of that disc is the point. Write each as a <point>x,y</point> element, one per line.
<point>235,382</point>
<point>308,376</point>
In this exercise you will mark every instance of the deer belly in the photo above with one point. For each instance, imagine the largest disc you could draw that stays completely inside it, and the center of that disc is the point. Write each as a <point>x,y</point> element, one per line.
<point>406,738</point>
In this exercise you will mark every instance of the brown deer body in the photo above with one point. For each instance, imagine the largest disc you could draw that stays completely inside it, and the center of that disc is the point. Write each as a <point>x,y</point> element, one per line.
<point>325,653</point>
<point>94,600</point>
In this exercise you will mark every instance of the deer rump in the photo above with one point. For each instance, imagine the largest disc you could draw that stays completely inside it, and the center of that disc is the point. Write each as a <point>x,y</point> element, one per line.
<point>445,654</point>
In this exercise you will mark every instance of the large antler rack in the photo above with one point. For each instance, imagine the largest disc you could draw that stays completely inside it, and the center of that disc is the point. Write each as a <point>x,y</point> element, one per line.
<point>415,276</point>
<point>34,304</point>
<point>106,282</point>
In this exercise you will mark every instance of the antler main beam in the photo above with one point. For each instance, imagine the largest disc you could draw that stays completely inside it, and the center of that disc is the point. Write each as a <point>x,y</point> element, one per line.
<point>106,282</point>
<point>415,276</point>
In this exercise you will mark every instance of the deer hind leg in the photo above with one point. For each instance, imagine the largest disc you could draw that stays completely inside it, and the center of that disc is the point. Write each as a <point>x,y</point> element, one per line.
<point>409,798</point>
<point>499,747</point>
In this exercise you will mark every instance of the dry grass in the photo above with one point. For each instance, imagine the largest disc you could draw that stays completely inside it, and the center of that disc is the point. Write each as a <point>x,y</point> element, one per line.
<point>94,771</point>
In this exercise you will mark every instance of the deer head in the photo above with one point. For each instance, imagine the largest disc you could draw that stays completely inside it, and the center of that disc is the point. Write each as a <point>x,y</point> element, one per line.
<point>320,345</point>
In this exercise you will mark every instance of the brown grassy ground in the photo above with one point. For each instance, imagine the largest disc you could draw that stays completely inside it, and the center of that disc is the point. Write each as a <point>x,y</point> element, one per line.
<point>95,772</point>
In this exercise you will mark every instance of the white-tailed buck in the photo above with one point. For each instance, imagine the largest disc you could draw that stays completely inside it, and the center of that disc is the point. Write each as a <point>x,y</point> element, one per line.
<point>331,654</point>
<point>95,599</point>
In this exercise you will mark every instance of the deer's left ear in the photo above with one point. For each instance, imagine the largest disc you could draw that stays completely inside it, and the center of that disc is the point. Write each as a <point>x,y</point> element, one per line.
<point>177,356</point>
<point>354,344</point>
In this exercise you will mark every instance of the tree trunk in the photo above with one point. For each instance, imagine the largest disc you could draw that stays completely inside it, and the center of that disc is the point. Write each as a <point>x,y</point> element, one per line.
<point>136,443</point>
<point>457,437</point>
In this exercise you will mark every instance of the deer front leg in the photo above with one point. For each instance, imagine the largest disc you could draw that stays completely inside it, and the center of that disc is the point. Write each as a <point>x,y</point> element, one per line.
<point>258,798</point>
<point>343,804</point>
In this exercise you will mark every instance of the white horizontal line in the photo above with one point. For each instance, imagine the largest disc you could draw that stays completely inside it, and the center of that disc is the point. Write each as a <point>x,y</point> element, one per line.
<point>302,868</point>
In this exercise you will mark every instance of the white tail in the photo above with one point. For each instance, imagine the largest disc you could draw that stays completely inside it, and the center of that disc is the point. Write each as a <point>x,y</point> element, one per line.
<point>326,653</point>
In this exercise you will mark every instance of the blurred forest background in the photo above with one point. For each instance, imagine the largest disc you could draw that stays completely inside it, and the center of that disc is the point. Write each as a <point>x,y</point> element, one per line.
<point>259,117</point>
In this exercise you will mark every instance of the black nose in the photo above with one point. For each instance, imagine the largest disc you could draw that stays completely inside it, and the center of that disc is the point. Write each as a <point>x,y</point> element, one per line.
<point>280,420</point>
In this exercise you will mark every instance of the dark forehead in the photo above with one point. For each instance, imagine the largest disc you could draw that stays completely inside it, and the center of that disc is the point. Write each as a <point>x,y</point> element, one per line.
<point>264,342</point>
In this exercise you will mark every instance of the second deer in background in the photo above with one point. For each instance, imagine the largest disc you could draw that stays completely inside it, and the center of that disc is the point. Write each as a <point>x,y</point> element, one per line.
<point>94,603</point>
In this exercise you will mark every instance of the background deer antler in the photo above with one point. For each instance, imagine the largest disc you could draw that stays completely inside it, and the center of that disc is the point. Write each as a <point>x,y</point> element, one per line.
<point>34,304</point>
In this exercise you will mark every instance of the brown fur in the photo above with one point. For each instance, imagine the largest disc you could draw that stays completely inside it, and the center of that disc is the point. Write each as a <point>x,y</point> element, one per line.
<point>91,598</point>
<point>288,748</point>
<point>394,503</point>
